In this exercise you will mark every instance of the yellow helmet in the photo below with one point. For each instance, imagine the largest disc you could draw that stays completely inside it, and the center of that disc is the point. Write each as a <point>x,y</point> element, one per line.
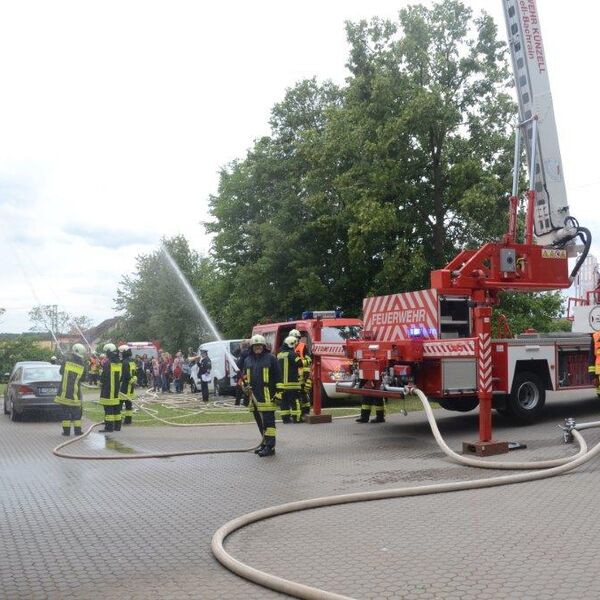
<point>257,339</point>
<point>79,350</point>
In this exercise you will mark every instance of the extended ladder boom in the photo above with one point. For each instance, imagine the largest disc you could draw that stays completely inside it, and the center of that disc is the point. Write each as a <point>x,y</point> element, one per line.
<point>535,101</point>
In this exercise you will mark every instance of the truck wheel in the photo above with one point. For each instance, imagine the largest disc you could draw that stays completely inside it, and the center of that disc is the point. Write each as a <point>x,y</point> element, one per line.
<point>459,404</point>
<point>527,398</point>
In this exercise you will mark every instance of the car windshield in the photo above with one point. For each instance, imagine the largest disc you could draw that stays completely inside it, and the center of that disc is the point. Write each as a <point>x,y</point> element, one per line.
<point>49,373</point>
<point>340,333</point>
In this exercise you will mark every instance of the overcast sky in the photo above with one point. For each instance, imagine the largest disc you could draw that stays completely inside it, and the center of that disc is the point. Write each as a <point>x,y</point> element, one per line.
<point>115,117</point>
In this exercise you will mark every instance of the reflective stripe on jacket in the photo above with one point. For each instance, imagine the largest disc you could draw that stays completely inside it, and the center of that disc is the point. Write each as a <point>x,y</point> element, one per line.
<point>262,374</point>
<point>110,381</point>
<point>69,392</point>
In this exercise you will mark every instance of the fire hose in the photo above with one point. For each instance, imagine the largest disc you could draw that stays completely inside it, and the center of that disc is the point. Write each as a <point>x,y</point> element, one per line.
<point>544,470</point>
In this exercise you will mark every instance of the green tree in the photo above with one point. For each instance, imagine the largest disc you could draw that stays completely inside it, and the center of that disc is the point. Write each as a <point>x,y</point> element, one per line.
<point>154,302</point>
<point>541,311</point>
<point>20,348</point>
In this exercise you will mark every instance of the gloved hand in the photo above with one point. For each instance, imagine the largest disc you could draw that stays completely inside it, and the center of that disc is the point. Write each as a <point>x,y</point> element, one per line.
<point>277,398</point>
<point>246,387</point>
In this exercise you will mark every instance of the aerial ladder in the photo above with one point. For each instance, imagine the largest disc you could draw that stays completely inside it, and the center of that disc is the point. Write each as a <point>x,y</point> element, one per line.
<point>444,333</point>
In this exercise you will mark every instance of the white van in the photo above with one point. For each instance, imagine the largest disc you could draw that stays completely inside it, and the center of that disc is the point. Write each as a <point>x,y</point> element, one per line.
<point>223,355</point>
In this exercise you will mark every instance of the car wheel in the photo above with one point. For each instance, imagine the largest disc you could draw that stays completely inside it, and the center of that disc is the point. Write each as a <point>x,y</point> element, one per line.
<point>526,401</point>
<point>4,406</point>
<point>217,388</point>
<point>14,415</point>
<point>193,387</point>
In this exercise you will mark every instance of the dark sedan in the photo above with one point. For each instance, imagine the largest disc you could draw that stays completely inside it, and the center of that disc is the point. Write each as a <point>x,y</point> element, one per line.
<point>31,387</point>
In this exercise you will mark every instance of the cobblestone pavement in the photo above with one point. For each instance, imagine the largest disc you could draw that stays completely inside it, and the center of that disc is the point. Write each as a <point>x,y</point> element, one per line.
<point>142,529</point>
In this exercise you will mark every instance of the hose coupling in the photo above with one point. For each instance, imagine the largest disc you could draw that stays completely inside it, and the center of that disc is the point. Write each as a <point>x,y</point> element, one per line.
<point>567,430</point>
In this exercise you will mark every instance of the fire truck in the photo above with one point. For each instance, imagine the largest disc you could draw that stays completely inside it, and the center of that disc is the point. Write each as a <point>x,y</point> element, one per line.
<point>439,339</point>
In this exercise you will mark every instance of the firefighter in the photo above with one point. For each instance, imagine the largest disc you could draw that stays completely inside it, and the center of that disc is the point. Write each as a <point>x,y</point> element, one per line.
<point>369,402</point>
<point>594,368</point>
<point>128,381</point>
<point>262,377</point>
<point>306,374</point>
<point>290,367</point>
<point>69,393</point>
<point>53,360</point>
<point>110,381</point>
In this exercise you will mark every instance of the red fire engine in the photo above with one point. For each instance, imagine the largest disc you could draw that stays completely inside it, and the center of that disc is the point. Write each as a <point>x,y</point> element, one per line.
<point>439,339</point>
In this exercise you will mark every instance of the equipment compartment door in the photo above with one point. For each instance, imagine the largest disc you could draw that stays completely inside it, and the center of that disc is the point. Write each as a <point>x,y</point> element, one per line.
<point>459,376</point>
<point>573,367</point>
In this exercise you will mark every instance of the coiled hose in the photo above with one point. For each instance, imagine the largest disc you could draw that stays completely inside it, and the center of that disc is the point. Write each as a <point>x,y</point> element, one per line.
<point>545,469</point>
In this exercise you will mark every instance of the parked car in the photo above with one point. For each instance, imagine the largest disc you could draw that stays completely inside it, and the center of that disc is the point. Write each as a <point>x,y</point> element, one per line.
<point>222,354</point>
<point>18,364</point>
<point>31,386</point>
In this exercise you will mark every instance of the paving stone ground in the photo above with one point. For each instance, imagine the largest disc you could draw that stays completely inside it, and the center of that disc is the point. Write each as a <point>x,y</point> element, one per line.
<point>142,528</point>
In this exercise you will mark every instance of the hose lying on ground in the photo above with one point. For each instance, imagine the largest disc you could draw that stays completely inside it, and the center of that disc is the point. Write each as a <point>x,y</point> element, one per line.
<point>300,590</point>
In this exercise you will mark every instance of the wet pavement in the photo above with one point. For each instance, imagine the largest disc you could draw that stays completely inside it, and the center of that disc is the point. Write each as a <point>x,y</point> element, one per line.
<point>142,528</point>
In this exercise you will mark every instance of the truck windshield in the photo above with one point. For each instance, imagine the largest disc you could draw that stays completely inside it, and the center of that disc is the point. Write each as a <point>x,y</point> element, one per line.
<point>340,333</point>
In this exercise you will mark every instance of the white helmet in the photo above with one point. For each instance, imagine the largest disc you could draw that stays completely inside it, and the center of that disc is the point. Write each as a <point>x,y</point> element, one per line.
<point>257,339</point>
<point>109,347</point>
<point>79,349</point>
<point>295,333</point>
<point>290,341</point>
<point>123,348</point>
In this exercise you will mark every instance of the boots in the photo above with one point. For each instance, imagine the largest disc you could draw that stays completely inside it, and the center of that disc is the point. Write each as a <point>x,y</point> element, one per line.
<point>108,428</point>
<point>286,419</point>
<point>379,417</point>
<point>66,431</point>
<point>117,425</point>
<point>364,415</point>
<point>266,451</point>
<point>259,449</point>
<point>78,431</point>
<point>127,420</point>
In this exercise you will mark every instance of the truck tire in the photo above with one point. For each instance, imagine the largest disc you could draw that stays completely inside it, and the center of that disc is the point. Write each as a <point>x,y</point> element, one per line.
<point>459,404</point>
<point>526,401</point>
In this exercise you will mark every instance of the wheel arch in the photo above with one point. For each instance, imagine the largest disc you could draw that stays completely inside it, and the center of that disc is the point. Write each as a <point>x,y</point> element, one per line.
<point>538,366</point>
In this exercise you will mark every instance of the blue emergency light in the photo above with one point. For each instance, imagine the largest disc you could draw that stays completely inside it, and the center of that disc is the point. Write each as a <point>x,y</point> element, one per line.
<point>338,313</point>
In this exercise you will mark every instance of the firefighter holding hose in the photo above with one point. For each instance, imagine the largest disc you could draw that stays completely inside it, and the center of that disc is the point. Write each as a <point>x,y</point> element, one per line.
<point>262,376</point>
<point>290,367</point>
<point>305,374</point>
<point>69,393</point>
<point>128,381</point>
<point>110,382</point>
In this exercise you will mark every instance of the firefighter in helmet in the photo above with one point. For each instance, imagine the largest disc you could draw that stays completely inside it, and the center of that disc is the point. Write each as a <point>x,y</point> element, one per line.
<point>594,368</point>
<point>369,402</point>
<point>128,381</point>
<point>110,382</point>
<point>306,373</point>
<point>262,376</point>
<point>290,367</point>
<point>69,393</point>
